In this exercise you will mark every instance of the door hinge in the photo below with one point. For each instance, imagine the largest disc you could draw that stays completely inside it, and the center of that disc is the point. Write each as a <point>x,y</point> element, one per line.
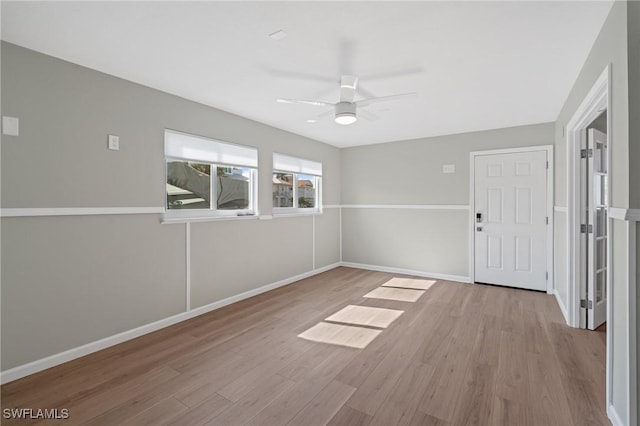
<point>547,218</point>
<point>586,153</point>
<point>587,304</point>
<point>546,276</point>
<point>586,229</point>
<point>547,164</point>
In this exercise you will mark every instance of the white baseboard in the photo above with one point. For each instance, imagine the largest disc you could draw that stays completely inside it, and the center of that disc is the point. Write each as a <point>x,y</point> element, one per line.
<point>613,416</point>
<point>80,351</point>
<point>393,270</point>
<point>563,308</point>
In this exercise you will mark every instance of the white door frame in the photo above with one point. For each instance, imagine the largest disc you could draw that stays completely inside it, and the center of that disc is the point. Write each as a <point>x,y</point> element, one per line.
<point>597,100</point>
<point>472,201</point>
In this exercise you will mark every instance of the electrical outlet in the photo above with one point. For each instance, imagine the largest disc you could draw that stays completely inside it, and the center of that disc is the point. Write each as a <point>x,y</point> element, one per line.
<point>448,168</point>
<point>114,143</point>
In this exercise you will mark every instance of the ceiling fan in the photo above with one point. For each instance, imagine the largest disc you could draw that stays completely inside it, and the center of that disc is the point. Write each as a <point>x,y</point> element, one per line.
<point>346,111</point>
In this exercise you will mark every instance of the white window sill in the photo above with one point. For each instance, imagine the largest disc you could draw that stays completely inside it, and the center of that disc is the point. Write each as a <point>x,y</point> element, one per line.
<point>169,220</point>
<point>296,212</point>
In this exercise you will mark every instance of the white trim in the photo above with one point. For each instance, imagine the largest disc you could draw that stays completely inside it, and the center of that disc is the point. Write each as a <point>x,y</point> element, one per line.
<point>624,214</point>
<point>331,206</point>
<point>632,317</point>
<point>168,221</point>
<point>187,229</point>
<point>340,234</point>
<point>74,353</point>
<point>78,211</point>
<point>560,209</point>
<point>408,206</point>
<point>597,99</point>
<point>548,149</point>
<point>313,242</point>
<point>393,270</point>
<point>563,308</point>
<point>613,416</point>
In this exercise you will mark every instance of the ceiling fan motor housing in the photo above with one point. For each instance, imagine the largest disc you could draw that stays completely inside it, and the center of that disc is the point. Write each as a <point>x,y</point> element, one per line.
<point>345,112</point>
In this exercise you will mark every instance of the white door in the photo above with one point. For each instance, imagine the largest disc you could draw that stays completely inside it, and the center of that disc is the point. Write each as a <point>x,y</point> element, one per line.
<point>597,229</point>
<point>510,237</point>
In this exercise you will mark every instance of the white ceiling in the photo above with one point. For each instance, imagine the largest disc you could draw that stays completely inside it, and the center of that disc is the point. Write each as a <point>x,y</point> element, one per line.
<point>475,65</point>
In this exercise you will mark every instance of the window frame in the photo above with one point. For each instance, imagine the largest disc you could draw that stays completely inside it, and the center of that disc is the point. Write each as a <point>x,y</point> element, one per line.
<point>213,212</point>
<point>296,209</point>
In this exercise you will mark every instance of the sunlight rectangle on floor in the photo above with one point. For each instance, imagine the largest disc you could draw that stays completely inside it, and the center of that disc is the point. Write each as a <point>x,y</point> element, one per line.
<point>342,335</point>
<point>390,293</point>
<point>410,283</point>
<point>365,315</point>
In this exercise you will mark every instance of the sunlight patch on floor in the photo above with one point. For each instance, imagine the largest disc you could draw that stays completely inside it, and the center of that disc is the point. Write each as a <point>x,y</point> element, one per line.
<point>365,315</point>
<point>342,335</point>
<point>410,283</point>
<point>390,293</point>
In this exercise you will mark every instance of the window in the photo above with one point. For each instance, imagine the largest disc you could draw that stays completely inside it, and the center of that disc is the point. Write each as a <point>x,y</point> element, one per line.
<point>206,177</point>
<point>296,184</point>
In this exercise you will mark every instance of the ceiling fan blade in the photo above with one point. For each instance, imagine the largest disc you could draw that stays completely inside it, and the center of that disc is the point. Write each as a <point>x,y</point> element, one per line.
<point>367,115</point>
<point>364,92</point>
<point>394,73</point>
<point>322,116</point>
<point>370,101</point>
<point>299,101</point>
<point>348,84</point>
<point>297,75</point>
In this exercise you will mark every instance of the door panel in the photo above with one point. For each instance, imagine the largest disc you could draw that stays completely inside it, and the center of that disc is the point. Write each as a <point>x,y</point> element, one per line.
<point>510,239</point>
<point>597,179</point>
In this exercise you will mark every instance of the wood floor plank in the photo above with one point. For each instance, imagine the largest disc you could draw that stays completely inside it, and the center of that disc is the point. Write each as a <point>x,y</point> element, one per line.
<point>547,398</point>
<point>513,378</point>
<point>253,402</point>
<point>460,354</point>
<point>348,416</point>
<point>321,409</point>
<point>421,419</point>
<point>288,404</point>
<point>508,412</point>
<point>157,413</point>
<point>400,406</point>
<point>199,414</point>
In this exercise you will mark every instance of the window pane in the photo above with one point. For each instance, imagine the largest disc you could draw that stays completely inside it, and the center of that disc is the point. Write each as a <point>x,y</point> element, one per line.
<point>306,191</point>
<point>232,187</point>
<point>282,190</point>
<point>188,185</point>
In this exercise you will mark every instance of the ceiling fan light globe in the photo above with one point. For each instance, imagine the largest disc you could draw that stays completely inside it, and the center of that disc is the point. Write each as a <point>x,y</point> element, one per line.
<point>346,118</point>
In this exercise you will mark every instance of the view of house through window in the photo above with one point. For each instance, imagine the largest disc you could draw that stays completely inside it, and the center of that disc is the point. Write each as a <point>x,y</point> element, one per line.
<point>295,183</point>
<point>294,190</point>
<point>283,190</point>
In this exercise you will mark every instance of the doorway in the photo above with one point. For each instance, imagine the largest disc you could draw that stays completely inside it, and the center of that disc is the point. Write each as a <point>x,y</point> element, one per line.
<point>588,140</point>
<point>511,241</point>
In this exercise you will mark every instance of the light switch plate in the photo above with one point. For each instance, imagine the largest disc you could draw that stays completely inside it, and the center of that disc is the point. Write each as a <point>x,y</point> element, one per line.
<point>10,126</point>
<point>114,142</point>
<point>448,168</point>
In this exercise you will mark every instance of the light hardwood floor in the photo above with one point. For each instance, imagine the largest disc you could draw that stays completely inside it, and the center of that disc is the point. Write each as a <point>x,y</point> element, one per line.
<point>461,354</point>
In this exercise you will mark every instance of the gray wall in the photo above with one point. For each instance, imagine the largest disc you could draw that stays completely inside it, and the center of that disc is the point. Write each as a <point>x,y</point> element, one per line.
<point>68,281</point>
<point>633,39</point>
<point>610,47</point>
<point>410,173</point>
